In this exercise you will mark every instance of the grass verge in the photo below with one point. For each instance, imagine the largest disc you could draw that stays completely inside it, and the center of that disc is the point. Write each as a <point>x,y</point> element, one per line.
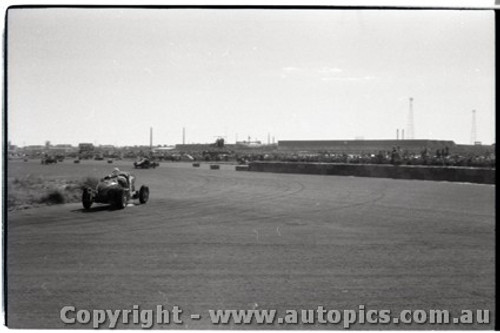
<point>33,191</point>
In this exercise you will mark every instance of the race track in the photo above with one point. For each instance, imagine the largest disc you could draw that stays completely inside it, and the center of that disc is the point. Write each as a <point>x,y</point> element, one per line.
<point>221,239</point>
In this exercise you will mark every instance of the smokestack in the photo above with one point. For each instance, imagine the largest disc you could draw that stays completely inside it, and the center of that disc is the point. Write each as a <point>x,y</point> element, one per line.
<point>183,135</point>
<point>473,132</point>
<point>397,134</point>
<point>411,130</point>
<point>268,138</point>
<point>403,134</point>
<point>151,138</point>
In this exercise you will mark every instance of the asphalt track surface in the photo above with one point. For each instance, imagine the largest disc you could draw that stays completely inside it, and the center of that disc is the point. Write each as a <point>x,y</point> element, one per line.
<point>221,239</point>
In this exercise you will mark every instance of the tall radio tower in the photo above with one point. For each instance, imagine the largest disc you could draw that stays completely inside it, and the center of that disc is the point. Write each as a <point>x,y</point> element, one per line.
<point>473,129</point>
<point>410,132</point>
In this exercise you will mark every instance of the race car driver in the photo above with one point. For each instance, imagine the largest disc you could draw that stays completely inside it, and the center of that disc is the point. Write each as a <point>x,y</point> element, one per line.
<point>125,178</point>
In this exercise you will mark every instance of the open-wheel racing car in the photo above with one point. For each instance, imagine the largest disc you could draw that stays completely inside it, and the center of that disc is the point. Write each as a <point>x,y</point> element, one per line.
<point>115,190</point>
<point>145,163</point>
<point>49,160</point>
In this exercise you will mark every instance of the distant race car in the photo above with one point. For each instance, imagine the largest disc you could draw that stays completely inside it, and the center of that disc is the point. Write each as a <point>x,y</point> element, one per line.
<point>49,160</point>
<point>146,163</point>
<point>114,191</point>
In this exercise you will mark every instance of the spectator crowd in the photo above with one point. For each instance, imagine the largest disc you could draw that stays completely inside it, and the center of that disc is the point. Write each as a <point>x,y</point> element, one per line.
<point>397,156</point>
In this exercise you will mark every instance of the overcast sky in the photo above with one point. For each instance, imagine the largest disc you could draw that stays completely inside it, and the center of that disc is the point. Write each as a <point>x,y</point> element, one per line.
<point>107,75</point>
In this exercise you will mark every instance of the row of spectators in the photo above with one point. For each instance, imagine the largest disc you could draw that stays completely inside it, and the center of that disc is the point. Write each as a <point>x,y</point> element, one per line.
<point>396,156</point>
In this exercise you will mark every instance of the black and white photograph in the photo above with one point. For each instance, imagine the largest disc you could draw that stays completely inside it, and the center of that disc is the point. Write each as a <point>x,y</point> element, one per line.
<point>253,167</point>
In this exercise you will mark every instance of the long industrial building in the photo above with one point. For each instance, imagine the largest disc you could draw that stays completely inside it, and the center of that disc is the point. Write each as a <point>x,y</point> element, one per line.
<point>373,146</point>
<point>364,146</point>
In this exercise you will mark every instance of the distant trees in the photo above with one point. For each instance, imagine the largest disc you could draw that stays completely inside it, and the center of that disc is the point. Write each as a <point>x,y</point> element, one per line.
<point>219,143</point>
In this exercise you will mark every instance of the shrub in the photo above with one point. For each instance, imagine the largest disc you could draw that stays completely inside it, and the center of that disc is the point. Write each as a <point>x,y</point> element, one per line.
<point>54,196</point>
<point>88,182</point>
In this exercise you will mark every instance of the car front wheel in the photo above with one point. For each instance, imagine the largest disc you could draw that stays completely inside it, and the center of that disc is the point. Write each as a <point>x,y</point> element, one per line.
<point>121,199</point>
<point>87,198</point>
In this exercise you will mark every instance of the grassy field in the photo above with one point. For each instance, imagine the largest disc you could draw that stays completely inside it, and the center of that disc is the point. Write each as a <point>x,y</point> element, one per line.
<point>34,191</point>
<point>30,184</point>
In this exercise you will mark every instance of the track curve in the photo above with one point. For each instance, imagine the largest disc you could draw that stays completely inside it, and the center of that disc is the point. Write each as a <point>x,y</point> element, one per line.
<point>211,239</point>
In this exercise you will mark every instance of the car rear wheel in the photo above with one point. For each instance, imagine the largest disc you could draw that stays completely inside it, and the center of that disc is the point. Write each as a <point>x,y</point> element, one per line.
<point>143,194</point>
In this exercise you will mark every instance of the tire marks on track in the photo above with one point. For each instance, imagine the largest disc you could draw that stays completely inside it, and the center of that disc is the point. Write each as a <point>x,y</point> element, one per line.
<point>217,202</point>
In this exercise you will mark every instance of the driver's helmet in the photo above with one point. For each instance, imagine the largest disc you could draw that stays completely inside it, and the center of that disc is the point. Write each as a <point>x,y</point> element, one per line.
<point>115,172</point>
